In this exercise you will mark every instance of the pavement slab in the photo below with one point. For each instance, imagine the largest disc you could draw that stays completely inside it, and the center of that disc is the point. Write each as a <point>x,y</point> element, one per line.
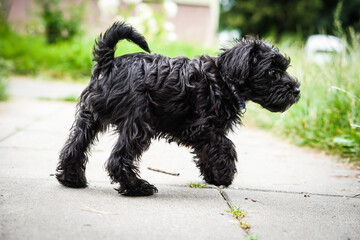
<point>282,215</point>
<point>269,163</point>
<point>38,209</point>
<point>23,87</point>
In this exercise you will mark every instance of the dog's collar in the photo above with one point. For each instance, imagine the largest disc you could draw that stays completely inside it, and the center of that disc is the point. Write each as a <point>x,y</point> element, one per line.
<point>233,88</point>
<point>242,103</point>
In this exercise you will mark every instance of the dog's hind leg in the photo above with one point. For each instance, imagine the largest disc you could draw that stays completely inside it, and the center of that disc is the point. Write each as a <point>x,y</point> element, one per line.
<point>216,158</point>
<point>122,164</point>
<point>73,156</point>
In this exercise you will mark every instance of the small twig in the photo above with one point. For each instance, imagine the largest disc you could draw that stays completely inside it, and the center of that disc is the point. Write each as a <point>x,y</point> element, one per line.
<point>88,209</point>
<point>162,171</point>
<point>254,200</point>
<point>355,176</point>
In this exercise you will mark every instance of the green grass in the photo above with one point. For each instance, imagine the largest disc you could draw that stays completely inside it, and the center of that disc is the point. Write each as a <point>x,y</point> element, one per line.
<point>251,237</point>
<point>31,55</point>
<point>245,225</point>
<point>5,67</point>
<point>237,212</point>
<point>3,94</point>
<point>70,98</point>
<point>196,185</point>
<point>355,196</point>
<point>328,114</point>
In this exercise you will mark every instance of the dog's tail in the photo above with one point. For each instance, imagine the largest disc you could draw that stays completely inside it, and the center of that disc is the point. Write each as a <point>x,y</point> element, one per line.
<point>104,49</point>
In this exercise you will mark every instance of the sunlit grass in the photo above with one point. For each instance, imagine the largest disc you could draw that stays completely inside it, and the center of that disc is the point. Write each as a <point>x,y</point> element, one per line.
<point>5,66</point>
<point>196,185</point>
<point>3,94</point>
<point>237,212</point>
<point>31,55</point>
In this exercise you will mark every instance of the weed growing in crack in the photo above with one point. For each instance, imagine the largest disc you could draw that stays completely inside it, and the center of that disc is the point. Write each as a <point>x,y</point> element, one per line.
<point>237,212</point>
<point>245,225</point>
<point>251,237</point>
<point>197,185</point>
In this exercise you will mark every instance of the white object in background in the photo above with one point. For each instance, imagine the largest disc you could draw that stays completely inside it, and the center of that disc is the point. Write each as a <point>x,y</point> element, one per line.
<point>108,7</point>
<point>322,48</point>
<point>144,11</point>
<point>227,36</point>
<point>171,8</point>
<point>132,1</point>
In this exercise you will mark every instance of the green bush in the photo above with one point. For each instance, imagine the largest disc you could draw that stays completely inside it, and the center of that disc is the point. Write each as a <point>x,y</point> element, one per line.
<point>31,55</point>
<point>57,26</point>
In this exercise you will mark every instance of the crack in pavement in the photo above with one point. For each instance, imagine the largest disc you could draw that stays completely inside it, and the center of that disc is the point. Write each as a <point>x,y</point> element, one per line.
<point>289,192</point>
<point>226,197</point>
<point>223,194</point>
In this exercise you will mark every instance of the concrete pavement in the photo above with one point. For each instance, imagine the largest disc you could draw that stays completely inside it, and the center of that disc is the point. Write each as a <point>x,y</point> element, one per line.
<point>287,192</point>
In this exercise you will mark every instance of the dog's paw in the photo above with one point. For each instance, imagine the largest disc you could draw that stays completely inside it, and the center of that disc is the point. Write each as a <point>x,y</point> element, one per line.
<point>72,180</point>
<point>216,182</point>
<point>224,179</point>
<point>142,188</point>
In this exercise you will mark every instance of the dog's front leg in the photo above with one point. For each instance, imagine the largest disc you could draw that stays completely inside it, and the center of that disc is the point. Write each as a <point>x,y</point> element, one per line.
<point>122,164</point>
<point>216,158</point>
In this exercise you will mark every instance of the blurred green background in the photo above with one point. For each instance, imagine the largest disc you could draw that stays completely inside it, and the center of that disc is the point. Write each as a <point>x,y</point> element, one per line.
<point>55,43</point>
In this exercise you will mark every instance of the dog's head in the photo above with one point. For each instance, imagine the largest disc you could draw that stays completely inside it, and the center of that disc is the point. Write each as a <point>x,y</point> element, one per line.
<point>258,73</point>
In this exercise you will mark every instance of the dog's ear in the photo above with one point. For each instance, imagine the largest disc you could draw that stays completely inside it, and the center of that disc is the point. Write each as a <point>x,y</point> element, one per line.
<point>235,63</point>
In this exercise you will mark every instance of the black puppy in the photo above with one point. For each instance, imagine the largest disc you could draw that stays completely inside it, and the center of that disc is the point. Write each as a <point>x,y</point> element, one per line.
<point>192,102</point>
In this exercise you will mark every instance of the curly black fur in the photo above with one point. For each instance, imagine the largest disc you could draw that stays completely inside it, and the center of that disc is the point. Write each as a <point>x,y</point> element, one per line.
<point>194,102</point>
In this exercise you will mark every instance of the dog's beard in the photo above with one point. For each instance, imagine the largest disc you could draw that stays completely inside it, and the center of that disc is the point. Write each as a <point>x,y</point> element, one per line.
<point>278,101</point>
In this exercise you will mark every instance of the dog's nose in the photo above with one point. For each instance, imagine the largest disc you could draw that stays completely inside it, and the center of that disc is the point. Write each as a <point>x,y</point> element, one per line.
<point>296,90</point>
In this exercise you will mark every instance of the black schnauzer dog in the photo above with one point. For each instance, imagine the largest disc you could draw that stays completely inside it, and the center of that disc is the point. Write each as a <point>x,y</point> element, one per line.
<point>191,102</point>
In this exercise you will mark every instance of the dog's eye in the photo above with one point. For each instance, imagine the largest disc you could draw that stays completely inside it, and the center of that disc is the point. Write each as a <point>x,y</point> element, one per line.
<point>272,72</point>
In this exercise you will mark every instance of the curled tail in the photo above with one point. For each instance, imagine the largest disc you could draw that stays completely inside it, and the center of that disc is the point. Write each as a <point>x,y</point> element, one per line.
<point>104,49</point>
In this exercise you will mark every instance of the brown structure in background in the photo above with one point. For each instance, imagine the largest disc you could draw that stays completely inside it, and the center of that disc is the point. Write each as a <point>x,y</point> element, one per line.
<point>196,20</point>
